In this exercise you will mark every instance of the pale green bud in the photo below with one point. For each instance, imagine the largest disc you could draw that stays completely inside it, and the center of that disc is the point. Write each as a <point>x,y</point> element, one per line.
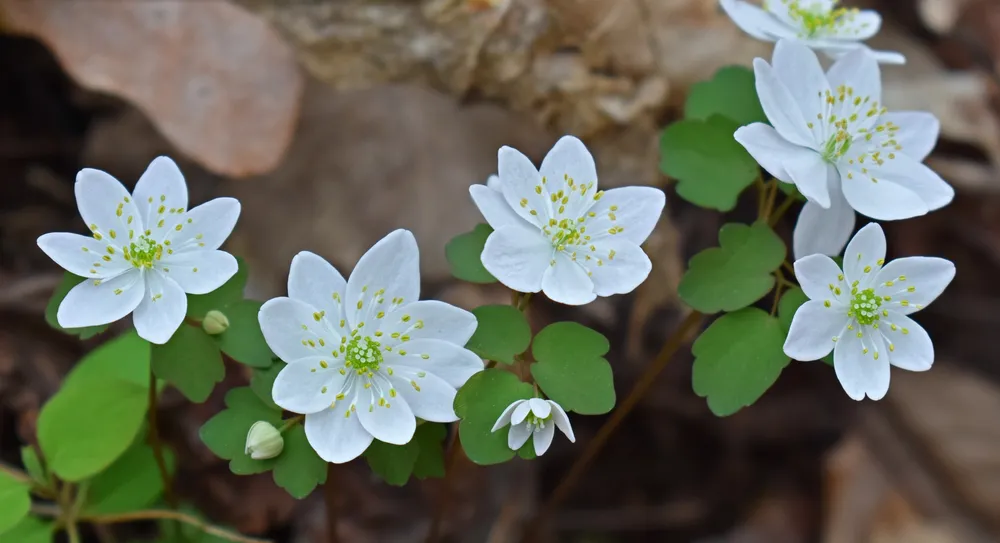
<point>215,322</point>
<point>264,441</point>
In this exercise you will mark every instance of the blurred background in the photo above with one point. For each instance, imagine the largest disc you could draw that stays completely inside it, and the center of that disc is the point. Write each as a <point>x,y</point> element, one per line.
<point>337,121</point>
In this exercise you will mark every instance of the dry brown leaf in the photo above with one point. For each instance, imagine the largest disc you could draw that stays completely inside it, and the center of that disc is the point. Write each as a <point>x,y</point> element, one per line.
<point>216,80</point>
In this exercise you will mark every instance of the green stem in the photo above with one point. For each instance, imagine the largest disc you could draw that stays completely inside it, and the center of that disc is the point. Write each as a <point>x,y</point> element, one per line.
<point>288,423</point>
<point>778,213</point>
<point>157,446</point>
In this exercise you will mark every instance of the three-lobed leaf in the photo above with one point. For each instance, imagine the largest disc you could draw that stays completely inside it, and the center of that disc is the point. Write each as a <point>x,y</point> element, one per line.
<point>479,404</point>
<point>244,341</point>
<point>571,369</point>
<point>231,291</point>
<point>502,333</point>
<point>15,501</point>
<point>731,93</point>
<point>736,274</point>
<point>124,358</point>
<point>190,361</point>
<point>298,469</point>
<point>263,381</point>
<point>430,462</point>
<point>464,253</point>
<point>52,308</point>
<point>421,457</point>
<point>133,482</point>
<point>30,530</point>
<point>225,434</point>
<point>737,359</point>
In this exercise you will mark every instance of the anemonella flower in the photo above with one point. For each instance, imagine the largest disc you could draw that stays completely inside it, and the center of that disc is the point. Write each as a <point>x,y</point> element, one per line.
<point>555,232</point>
<point>146,251</point>
<point>537,419</point>
<point>365,357</point>
<point>843,150</point>
<point>818,24</point>
<point>861,313</point>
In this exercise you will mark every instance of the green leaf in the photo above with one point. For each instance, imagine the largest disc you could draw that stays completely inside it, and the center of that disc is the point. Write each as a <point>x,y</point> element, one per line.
<point>15,501</point>
<point>393,463</point>
<point>263,381</point>
<point>200,304</point>
<point>737,359</point>
<point>711,168</point>
<point>479,403</point>
<point>68,282</point>
<point>430,461</point>
<point>34,466</point>
<point>243,341</point>
<point>124,358</point>
<point>88,424</point>
<point>225,434</point>
<point>132,483</point>
<point>736,274</point>
<point>789,303</point>
<point>298,469</point>
<point>571,368</point>
<point>502,333</point>
<point>463,253</point>
<point>30,530</point>
<point>190,361</point>
<point>730,93</point>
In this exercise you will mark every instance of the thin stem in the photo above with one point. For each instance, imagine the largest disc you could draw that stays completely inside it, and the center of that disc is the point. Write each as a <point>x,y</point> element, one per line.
<point>777,294</point>
<point>453,452</point>
<point>641,387</point>
<point>772,192</point>
<point>73,532</point>
<point>761,194</point>
<point>778,213</point>
<point>330,495</point>
<point>157,514</point>
<point>288,423</point>
<point>788,267</point>
<point>157,446</point>
<point>15,474</point>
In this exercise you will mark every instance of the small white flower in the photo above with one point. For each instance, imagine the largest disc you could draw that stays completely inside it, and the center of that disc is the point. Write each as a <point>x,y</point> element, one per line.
<point>146,252</point>
<point>841,148</point>
<point>860,313</point>
<point>818,24</point>
<point>535,418</point>
<point>364,356</point>
<point>264,441</point>
<point>555,232</point>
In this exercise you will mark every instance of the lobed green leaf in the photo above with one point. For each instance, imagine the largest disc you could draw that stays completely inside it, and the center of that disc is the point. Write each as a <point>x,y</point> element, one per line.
<point>190,361</point>
<point>15,501</point>
<point>243,341</point>
<point>464,255</point>
<point>479,404</point>
<point>132,483</point>
<point>731,93</point>
<point>298,469</point>
<point>231,291</point>
<point>502,333</point>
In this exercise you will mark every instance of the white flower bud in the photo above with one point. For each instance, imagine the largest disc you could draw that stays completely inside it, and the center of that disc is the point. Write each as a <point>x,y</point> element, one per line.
<point>264,441</point>
<point>215,322</point>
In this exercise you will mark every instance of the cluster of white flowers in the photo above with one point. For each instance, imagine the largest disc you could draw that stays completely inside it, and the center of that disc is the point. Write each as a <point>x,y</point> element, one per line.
<point>831,136</point>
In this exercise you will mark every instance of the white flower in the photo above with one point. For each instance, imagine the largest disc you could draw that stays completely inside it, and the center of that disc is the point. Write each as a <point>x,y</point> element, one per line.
<point>555,232</point>
<point>535,418</point>
<point>146,252</point>
<point>818,24</point>
<point>364,356</point>
<point>844,151</point>
<point>860,313</point>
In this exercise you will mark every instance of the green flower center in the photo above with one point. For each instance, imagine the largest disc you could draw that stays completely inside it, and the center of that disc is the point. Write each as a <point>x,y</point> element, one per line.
<point>815,20</point>
<point>364,354</point>
<point>865,307</point>
<point>143,252</point>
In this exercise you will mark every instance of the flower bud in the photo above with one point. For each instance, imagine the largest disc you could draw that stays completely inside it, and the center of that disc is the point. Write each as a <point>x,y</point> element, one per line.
<point>215,322</point>
<point>264,441</point>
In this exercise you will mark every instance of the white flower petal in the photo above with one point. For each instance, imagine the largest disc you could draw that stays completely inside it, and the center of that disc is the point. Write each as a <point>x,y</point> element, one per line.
<point>292,331</point>
<point>206,226</point>
<point>162,184</point>
<point>429,397</point>
<point>912,348</point>
<point>98,196</point>
<point>813,330</point>
<point>494,207</point>
<point>567,167</point>
<point>926,276</point>
<point>305,386</point>
<point>522,186</point>
<point>493,182</point>
<point>810,174</point>
<point>823,231</point>
<point>543,438</point>
<point>88,304</point>
<point>390,421</point>
<point>864,256</point>
<point>448,361</point>
<point>858,371</point>
<point>779,106</point>
<point>566,282</point>
<point>859,26</point>
<point>336,434</point>
<point>314,281</point>
<point>770,150</point>
<point>199,272</point>
<point>83,255</point>
<point>540,407</point>
<point>162,309</point>
<point>518,436</point>
<point>858,70</point>
<point>797,67</point>
<point>918,132</point>
<point>624,265</point>
<point>836,48</point>
<point>518,257</point>
<point>562,421</point>
<point>520,413</point>
<point>755,21</point>
<point>636,210</point>
<point>505,417</point>
<point>427,319</point>
<point>888,199</point>
<point>906,171</point>
<point>815,274</point>
<point>386,277</point>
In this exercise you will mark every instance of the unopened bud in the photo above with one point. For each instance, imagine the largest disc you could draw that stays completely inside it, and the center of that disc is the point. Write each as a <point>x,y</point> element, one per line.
<point>215,322</point>
<point>264,441</point>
